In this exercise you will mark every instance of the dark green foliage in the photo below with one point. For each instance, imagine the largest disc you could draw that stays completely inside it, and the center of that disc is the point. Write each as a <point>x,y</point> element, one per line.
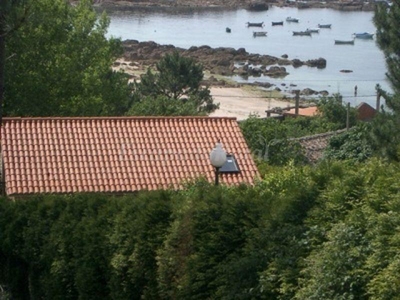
<point>387,21</point>
<point>78,248</point>
<point>355,144</point>
<point>60,64</point>
<point>163,106</point>
<point>273,141</point>
<point>385,132</point>
<point>70,247</point>
<point>353,236</point>
<point>13,14</point>
<point>323,232</point>
<point>204,255</point>
<point>138,232</point>
<point>269,141</point>
<point>290,195</point>
<point>385,137</point>
<point>175,89</point>
<point>334,113</point>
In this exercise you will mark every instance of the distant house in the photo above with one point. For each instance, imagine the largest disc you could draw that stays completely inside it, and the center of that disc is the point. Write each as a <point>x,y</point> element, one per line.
<point>117,154</point>
<point>365,112</point>
<point>303,112</point>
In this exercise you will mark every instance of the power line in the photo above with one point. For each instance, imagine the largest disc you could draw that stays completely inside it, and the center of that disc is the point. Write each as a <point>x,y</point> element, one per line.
<point>332,80</point>
<point>288,97</point>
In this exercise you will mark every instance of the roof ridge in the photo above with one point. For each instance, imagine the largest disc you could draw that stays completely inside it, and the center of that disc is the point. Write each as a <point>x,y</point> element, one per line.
<point>118,118</point>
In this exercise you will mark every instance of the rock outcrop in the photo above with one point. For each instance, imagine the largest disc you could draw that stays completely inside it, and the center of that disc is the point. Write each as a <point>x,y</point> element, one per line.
<point>222,61</point>
<point>356,5</point>
<point>258,6</point>
<point>126,4</point>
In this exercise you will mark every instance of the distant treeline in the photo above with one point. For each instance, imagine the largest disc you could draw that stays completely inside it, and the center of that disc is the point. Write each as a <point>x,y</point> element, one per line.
<point>327,232</point>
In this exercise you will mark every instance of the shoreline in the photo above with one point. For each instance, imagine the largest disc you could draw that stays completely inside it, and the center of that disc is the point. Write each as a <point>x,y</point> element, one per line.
<point>229,5</point>
<point>219,63</point>
<point>235,100</point>
<point>240,103</point>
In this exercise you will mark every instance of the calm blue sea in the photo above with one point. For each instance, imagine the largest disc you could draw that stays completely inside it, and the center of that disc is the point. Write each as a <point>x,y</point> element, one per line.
<point>207,27</point>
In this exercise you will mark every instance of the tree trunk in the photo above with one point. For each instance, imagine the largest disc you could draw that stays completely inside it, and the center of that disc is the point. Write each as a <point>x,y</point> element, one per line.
<point>2,87</point>
<point>2,75</point>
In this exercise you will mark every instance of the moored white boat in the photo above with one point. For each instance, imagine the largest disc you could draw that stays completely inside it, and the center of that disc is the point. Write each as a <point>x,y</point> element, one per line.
<point>364,35</point>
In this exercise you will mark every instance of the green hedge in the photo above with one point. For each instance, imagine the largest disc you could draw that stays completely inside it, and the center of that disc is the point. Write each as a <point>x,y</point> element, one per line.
<point>327,232</point>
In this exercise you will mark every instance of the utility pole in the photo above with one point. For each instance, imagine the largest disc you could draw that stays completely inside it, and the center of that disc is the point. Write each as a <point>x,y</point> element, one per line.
<point>378,101</point>
<point>297,98</point>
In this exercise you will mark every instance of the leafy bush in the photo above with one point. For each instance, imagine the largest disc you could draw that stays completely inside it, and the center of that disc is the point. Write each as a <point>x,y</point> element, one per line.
<point>323,232</point>
<point>355,144</point>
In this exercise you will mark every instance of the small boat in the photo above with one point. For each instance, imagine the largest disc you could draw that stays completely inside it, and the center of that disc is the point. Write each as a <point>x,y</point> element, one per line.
<point>341,42</point>
<point>290,19</point>
<point>364,35</point>
<point>313,30</point>
<point>324,26</point>
<point>307,33</point>
<point>277,23</point>
<point>261,24</point>
<point>259,33</point>
<point>228,30</point>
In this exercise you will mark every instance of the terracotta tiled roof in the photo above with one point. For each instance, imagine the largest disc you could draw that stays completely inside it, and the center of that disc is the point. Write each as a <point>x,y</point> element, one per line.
<point>305,112</point>
<point>65,155</point>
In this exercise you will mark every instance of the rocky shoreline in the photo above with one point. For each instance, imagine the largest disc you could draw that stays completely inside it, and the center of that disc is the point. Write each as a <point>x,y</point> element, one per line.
<point>223,61</point>
<point>219,61</point>
<point>356,5</point>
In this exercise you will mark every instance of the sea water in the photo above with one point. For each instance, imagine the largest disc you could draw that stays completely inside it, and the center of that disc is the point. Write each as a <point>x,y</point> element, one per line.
<point>186,28</point>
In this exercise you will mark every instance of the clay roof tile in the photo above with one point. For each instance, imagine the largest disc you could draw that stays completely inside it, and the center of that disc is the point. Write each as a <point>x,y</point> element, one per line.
<point>111,154</point>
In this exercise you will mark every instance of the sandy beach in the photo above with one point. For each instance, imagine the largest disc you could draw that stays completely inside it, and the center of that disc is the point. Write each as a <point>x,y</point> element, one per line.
<point>240,103</point>
<point>237,102</point>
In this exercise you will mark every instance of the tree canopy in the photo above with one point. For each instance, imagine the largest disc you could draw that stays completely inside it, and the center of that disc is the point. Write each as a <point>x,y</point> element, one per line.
<point>60,64</point>
<point>12,15</point>
<point>323,232</point>
<point>385,130</point>
<point>355,144</point>
<point>387,21</point>
<point>174,89</point>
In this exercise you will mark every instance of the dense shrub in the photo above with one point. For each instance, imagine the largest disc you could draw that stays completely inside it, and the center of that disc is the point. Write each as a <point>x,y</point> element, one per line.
<point>326,232</point>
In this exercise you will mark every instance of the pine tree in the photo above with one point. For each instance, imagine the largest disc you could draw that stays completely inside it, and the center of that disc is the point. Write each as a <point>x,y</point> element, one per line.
<point>387,21</point>
<point>385,130</point>
<point>175,89</point>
